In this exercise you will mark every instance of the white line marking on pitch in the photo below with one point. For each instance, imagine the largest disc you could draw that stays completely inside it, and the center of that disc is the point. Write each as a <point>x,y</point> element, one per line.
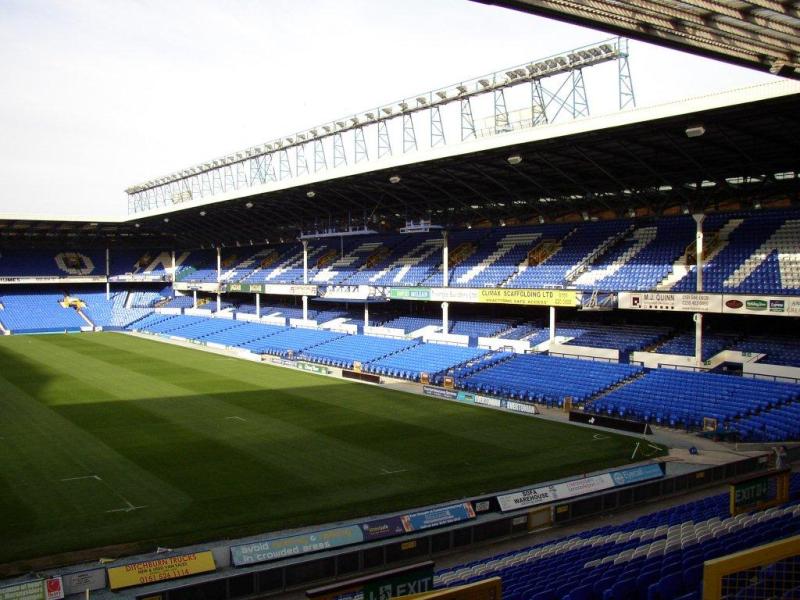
<point>128,508</point>
<point>95,477</point>
<point>238,419</point>
<point>387,472</point>
<point>598,437</point>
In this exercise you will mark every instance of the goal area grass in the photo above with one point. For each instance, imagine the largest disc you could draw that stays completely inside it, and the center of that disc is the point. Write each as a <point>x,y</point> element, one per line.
<point>112,440</point>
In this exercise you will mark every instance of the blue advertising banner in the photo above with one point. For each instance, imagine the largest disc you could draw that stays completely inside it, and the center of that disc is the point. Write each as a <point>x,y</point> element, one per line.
<point>436,517</point>
<point>637,474</point>
<point>382,528</point>
<point>295,545</point>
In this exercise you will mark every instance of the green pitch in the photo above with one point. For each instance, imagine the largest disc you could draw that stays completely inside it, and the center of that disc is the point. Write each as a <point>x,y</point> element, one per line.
<point>106,439</point>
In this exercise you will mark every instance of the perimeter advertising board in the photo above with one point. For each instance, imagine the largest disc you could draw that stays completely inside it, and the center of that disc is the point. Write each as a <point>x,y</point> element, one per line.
<point>578,487</point>
<point>777,306</point>
<point>38,589</point>
<point>666,301</point>
<point>161,569</point>
<point>523,297</point>
<point>326,539</point>
<point>273,288</point>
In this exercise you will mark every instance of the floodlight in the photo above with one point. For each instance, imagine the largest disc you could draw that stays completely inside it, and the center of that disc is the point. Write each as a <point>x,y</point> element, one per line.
<point>394,179</point>
<point>202,213</point>
<point>462,89</point>
<point>387,110</point>
<point>239,155</point>
<point>278,144</point>
<point>311,193</point>
<point>341,124</point>
<point>422,100</point>
<point>327,128</point>
<point>301,137</point>
<point>403,105</point>
<point>354,120</point>
<point>484,82</point>
<point>514,159</point>
<point>607,48</point>
<point>313,132</point>
<point>268,147</point>
<point>166,219</point>
<point>290,140</point>
<point>442,94</point>
<point>249,205</point>
<point>370,116</point>
<point>511,74</point>
<point>137,225</point>
<point>521,72</point>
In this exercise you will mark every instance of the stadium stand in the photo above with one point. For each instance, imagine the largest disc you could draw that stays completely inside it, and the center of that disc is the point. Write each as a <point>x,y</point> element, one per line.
<point>753,253</point>
<point>292,341</point>
<point>40,263</point>
<point>648,258</point>
<point>343,351</point>
<point>683,344</point>
<point>685,399</point>
<point>423,358</point>
<point>547,379</point>
<point>576,248</point>
<point>777,350</point>
<point>112,312</point>
<point>658,556</point>
<point>37,312</point>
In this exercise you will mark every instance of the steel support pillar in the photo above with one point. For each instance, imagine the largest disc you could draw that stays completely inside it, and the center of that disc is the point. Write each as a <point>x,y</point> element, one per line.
<point>699,218</point>
<point>445,260</point>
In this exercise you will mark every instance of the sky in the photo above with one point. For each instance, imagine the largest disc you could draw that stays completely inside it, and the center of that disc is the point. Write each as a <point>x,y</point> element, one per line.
<point>99,95</point>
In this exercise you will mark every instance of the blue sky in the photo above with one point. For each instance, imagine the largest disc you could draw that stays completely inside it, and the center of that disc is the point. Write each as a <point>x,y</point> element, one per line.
<point>101,95</point>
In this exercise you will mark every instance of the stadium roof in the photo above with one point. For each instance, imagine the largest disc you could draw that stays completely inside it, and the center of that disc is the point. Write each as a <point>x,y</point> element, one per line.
<point>748,149</point>
<point>764,34</point>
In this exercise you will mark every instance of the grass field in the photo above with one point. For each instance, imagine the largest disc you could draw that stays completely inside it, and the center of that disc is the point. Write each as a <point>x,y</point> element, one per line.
<point>110,439</point>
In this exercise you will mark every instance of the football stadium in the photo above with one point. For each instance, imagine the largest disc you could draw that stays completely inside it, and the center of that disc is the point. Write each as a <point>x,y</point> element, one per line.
<point>477,343</point>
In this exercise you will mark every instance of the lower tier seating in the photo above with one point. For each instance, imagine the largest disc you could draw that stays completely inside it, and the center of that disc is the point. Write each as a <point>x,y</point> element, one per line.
<point>547,379</point>
<point>684,399</point>
<point>656,557</point>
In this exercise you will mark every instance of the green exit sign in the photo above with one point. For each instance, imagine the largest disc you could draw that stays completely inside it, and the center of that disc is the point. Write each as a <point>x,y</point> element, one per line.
<point>751,493</point>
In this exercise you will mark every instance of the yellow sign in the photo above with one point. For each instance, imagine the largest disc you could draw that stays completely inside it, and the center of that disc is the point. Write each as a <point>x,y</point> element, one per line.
<point>529,297</point>
<point>160,569</point>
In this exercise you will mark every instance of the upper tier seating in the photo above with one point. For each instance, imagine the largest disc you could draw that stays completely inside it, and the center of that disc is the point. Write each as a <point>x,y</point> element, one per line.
<point>760,255</point>
<point>45,263</point>
<point>26,312</point>
<point>680,398</point>
<point>658,556</point>
<point>577,247</point>
<point>423,358</point>
<point>547,379</point>
<point>647,259</point>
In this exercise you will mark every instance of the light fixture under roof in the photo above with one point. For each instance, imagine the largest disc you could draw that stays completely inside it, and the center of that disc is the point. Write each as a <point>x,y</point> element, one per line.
<point>394,179</point>
<point>248,205</point>
<point>695,130</point>
<point>514,159</point>
<point>311,193</point>
<point>202,213</point>
<point>166,219</point>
